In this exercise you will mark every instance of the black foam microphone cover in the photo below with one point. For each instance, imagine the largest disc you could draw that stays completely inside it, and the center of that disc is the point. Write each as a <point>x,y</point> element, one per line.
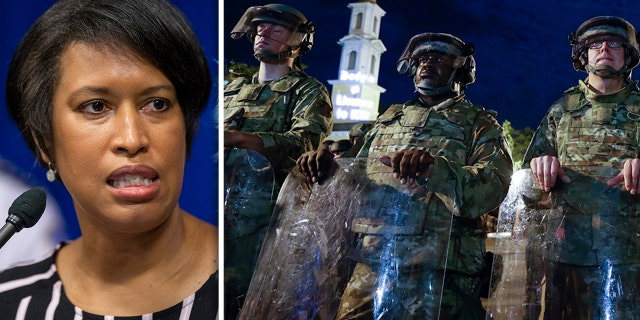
<point>29,206</point>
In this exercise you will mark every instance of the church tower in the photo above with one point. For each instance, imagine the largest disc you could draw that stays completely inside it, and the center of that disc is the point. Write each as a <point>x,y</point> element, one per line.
<point>356,93</point>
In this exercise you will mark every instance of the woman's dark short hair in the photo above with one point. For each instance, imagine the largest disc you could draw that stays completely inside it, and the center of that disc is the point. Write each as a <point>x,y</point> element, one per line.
<point>152,29</point>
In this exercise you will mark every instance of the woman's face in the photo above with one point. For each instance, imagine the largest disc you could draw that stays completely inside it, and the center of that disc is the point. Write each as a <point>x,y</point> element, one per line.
<point>118,139</point>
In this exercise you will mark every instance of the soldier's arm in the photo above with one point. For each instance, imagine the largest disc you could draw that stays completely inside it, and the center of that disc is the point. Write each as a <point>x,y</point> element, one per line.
<point>244,140</point>
<point>311,123</point>
<point>542,155</point>
<point>543,142</point>
<point>478,186</point>
<point>630,175</point>
<point>546,170</point>
<point>316,165</point>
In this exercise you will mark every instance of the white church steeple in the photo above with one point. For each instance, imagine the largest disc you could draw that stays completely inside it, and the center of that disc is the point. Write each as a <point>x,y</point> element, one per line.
<point>356,93</point>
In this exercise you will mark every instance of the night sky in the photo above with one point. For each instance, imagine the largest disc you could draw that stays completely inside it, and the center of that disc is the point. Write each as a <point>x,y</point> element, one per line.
<point>522,51</point>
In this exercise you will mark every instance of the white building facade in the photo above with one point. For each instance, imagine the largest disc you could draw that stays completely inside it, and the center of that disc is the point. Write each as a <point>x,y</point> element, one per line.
<point>356,93</point>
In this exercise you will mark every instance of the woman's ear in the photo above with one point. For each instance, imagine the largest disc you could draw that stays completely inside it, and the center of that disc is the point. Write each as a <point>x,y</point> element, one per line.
<point>41,151</point>
<point>45,161</point>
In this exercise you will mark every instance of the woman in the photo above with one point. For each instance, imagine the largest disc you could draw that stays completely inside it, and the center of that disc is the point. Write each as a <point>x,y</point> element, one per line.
<point>107,94</point>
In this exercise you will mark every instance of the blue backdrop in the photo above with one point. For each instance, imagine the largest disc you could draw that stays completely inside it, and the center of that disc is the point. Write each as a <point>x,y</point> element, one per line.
<point>200,190</point>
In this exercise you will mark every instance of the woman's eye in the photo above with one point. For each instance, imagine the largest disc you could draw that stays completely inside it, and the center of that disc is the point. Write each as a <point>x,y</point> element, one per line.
<point>93,107</point>
<point>158,105</point>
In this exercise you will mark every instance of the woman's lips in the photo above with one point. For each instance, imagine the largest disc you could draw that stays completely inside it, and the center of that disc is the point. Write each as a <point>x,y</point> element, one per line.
<point>134,183</point>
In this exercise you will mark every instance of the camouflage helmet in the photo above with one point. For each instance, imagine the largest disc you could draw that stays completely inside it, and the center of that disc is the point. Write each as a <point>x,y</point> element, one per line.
<point>604,25</point>
<point>463,63</point>
<point>360,129</point>
<point>280,14</point>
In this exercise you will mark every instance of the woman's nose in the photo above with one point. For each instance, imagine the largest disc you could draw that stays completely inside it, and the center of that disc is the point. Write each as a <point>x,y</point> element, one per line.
<point>130,134</point>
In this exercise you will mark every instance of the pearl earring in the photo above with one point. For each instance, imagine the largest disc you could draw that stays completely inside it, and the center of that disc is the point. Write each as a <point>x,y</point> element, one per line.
<point>51,173</point>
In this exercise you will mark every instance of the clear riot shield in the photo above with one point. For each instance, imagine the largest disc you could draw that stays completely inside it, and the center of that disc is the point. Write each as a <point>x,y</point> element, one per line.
<point>350,245</point>
<point>572,253</point>
<point>249,198</point>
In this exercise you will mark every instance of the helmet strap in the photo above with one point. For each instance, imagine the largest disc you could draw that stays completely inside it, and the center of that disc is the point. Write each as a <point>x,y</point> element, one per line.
<point>268,56</point>
<point>428,91</point>
<point>451,86</point>
<point>607,72</point>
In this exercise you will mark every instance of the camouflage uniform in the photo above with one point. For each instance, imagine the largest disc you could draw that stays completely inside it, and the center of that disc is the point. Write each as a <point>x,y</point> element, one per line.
<point>470,177</point>
<point>292,114</point>
<point>590,242</point>
<point>356,136</point>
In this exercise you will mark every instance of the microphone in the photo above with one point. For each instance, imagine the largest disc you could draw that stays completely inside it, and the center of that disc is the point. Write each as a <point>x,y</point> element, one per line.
<point>24,212</point>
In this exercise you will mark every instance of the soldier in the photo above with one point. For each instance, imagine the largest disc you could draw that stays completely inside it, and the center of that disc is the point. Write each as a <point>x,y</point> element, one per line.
<point>585,152</point>
<point>356,137</point>
<point>453,150</point>
<point>279,112</point>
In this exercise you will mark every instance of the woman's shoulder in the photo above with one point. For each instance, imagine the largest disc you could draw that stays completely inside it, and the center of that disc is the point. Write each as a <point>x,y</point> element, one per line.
<point>27,269</point>
<point>205,300</point>
<point>30,280</point>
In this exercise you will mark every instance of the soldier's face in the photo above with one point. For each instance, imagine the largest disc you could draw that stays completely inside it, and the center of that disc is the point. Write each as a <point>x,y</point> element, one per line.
<point>271,37</point>
<point>434,69</point>
<point>606,54</point>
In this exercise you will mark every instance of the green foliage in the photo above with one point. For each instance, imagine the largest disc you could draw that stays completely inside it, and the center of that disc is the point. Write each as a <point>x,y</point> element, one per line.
<point>239,69</point>
<point>518,141</point>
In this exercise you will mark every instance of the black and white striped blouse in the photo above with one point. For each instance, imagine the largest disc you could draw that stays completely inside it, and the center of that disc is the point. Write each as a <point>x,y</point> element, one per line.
<point>34,291</point>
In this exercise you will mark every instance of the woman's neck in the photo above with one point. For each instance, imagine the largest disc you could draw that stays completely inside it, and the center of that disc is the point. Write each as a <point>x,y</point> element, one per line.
<point>105,274</point>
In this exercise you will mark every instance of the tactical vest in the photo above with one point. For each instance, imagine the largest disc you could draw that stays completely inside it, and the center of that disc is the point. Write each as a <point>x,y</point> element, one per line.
<point>261,107</point>
<point>595,134</point>
<point>443,130</point>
